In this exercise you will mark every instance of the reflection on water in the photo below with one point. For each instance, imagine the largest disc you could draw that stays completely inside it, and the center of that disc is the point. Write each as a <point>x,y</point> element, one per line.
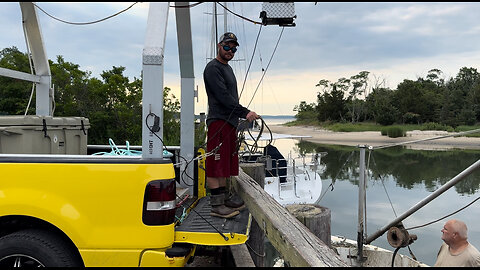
<point>408,167</point>
<point>404,177</point>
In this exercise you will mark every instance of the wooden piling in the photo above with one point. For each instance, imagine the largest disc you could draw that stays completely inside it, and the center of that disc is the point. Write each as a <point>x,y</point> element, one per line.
<point>256,239</point>
<point>316,218</point>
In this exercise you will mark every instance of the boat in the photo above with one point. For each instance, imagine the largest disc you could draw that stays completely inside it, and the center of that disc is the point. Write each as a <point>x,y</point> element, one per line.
<point>288,180</point>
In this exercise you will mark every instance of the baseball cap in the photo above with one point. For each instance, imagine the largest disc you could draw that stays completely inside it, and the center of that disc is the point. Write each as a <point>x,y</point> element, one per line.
<point>228,37</point>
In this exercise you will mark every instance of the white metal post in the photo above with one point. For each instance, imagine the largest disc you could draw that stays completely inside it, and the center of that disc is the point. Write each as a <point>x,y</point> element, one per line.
<point>187,113</point>
<point>152,97</point>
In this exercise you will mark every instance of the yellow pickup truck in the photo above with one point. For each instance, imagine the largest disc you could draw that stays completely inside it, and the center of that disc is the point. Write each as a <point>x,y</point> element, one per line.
<point>79,210</point>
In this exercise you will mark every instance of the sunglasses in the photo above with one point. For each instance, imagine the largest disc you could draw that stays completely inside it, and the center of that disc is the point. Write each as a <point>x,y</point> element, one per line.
<point>228,48</point>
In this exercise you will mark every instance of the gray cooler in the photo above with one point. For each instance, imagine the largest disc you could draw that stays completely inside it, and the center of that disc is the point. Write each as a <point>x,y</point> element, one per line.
<point>33,134</point>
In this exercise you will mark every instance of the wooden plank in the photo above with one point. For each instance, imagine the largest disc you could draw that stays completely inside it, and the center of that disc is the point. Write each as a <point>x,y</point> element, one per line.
<point>298,246</point>
<point>241,256</point>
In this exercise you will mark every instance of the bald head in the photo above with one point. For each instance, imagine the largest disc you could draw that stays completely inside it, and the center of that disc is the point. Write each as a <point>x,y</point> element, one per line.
<point>458,227</point>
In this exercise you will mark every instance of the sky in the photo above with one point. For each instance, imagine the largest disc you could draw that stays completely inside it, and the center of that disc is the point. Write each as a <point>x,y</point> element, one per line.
<point>392,40</point>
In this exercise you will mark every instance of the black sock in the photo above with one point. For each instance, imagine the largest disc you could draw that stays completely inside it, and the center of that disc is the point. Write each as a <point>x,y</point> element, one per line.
<point>217,191</point>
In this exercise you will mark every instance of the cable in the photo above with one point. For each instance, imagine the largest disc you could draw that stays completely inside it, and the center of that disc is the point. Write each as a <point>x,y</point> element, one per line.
<point>85,23</point>
<point>218,231</point>
<point>188,6</point>
<point>31,67</point>
<point>240,16</point>
<point>420,226</point>
<point>251,60</point>
<point>334,179</point>
<point>263,75</point>
<point>395,253</point>
<point>384,188</point>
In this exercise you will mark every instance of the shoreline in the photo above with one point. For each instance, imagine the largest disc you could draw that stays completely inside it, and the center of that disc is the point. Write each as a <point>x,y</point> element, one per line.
<point>375,138</point>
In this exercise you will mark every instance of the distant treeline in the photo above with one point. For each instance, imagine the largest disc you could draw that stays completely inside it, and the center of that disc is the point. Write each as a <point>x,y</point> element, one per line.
<point>112,104</point>
<point>433,99</point>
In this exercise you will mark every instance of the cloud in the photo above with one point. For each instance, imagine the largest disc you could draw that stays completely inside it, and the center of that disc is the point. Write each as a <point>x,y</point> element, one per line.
<point>392,40</point>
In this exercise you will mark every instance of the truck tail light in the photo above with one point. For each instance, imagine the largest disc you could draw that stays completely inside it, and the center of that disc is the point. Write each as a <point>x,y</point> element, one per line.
<point>159,202</point>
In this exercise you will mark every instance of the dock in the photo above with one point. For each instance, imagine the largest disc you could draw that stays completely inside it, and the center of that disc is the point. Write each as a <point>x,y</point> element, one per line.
<point>297,245</point>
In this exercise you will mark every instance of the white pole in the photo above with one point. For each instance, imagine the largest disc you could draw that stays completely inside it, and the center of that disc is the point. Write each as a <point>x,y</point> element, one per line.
<point>152,97</point>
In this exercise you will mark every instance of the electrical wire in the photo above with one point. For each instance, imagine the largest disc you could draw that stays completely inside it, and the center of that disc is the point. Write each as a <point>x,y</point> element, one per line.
<point>84,23</point>
<point>240,16</point>
<point>188,6</point>
<point>31,67</point>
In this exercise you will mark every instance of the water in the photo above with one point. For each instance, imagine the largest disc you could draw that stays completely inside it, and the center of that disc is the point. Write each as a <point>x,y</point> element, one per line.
<point>402,176</point>
<point>271,120</point>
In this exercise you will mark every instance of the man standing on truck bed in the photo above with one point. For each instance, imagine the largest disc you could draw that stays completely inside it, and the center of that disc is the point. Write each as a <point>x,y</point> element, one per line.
<point>224,110</point>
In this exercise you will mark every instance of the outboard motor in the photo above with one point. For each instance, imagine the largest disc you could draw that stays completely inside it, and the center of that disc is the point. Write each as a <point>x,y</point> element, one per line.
<point>275,155</point>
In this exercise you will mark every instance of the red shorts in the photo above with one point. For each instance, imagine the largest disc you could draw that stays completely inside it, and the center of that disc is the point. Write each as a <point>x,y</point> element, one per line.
<point>225,162</point>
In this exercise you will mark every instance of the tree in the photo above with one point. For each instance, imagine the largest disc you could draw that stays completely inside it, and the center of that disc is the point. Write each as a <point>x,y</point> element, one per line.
<point>305,111</point>
<point>112,104</point>
<point>459,107</point>
<point>14,93</point>
<point>381,106</point>
<point>331,106</point>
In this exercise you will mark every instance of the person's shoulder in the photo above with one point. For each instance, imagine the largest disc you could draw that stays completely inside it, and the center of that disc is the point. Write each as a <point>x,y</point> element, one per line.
<point>473,250</point>
<point>214,63</point>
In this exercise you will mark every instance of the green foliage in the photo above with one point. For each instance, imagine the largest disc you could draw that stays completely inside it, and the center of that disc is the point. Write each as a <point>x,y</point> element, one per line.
<point>200,134</point>
<point>112,104</point>
<point>14,94</point>
<point>393,132</point>
<point>450,102</point>
<point>331,106</point>
<point>305,111</point>
<point>436,126</point>
<point>352,127</point>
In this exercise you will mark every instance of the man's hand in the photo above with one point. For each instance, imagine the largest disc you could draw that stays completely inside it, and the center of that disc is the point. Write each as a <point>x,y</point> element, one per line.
<point>252,116</point>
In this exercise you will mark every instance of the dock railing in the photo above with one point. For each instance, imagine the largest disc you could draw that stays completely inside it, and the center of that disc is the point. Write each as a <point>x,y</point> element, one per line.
<point>297,245</point>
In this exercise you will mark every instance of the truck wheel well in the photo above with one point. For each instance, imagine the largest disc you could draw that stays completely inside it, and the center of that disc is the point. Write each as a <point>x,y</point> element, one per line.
<point>10,224</point>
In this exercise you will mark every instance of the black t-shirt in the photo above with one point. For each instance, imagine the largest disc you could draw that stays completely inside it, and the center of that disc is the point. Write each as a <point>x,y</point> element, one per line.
<point>222,92</point>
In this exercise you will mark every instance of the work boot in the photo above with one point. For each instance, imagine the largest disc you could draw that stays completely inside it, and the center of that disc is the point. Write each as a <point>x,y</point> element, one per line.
<point>234,201</point>
<point>219,209</point>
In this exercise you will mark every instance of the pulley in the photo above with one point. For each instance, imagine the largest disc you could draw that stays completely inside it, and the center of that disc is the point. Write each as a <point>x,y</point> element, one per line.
<point>399,237</point>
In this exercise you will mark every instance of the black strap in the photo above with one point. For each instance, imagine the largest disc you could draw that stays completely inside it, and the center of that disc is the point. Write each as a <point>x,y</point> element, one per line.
<point>44,129</point>
<point>83,127</point>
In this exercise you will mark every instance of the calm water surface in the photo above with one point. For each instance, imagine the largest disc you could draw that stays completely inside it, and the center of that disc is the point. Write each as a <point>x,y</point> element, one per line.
<point>406,177</point>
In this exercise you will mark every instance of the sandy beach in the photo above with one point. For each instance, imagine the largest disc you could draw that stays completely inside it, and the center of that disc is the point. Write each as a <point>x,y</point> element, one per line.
<point>374,138</point>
